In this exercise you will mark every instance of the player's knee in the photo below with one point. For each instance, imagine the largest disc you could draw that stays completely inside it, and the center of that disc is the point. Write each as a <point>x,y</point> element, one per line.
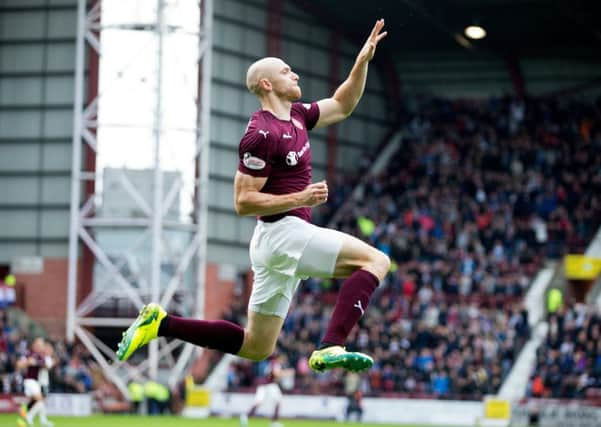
<point>380,264</point>
<point>259,355</point>
<point>259,351</point>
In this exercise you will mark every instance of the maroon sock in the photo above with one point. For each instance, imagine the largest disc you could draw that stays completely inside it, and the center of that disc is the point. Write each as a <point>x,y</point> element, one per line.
<point>216,334</point>
<point>350,305</point>
<point>276,413</point>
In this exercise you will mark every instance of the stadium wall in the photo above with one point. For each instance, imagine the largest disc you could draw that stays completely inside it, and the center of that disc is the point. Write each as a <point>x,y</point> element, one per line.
<point>541,412</point>
<point>453,74</point>
<point>480,74</point>
<point>37,60</point>
<point>551,75</point>
<point>380,410</point>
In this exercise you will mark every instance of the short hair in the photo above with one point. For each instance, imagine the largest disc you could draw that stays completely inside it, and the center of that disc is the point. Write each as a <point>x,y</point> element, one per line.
<point>258,70</point>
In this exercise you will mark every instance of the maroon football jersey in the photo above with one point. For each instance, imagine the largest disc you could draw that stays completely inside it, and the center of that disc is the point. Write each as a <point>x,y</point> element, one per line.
<point>280,150</point>
<point>33,371</point>
<point>273,371</point>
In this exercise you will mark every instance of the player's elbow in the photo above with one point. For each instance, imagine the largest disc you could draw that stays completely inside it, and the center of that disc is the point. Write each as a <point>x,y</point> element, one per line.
<point>344,112</point>
<point>242,207</point>
<point>346,106</point>
<point>347,111</point>
<point>238,208</point>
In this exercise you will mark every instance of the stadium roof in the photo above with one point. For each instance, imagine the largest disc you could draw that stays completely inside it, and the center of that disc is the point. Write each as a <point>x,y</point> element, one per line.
<point>520,28</point>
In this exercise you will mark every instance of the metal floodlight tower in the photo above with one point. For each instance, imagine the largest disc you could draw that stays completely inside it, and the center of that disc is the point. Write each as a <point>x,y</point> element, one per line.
<point>83,222</point>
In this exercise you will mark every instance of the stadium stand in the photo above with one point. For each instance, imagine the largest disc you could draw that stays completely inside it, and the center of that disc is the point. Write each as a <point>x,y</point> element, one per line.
<point>74,369</point>
<point>568,363</point>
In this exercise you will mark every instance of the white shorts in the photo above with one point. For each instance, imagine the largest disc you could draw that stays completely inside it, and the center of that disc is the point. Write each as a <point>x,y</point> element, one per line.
<point>268,394</point>
<point>284,252</point>
<point>32,388</point>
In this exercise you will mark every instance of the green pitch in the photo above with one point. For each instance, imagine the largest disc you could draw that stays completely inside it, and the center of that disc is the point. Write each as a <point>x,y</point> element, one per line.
<point>167,421</point>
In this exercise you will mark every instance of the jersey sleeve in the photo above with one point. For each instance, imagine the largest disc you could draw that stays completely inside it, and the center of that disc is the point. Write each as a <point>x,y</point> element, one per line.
<point>310,112</point>
<point>254,152</point>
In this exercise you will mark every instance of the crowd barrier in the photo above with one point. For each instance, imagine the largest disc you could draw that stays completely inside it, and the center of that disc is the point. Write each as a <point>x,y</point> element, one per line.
<point>376,410</point>
<point>539,412</point>
<point>56,404</point>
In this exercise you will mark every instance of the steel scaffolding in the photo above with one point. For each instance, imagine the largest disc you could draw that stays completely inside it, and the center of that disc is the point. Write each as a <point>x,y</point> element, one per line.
<point>82,322</point>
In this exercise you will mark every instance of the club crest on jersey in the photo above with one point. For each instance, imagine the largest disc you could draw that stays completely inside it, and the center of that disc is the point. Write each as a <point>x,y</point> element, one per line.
<point>297,123</point>
<point>292,158</point>
<point>252,162</point>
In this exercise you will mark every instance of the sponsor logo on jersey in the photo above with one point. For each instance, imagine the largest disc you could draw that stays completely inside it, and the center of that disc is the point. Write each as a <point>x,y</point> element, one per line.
<point>304,149</point>
<point>307,106</point>
<point>252,162</point>
<point>293,157</point>
<point>287,136</point>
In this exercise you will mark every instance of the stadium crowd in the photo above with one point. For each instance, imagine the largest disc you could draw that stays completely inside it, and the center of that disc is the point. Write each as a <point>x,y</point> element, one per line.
<point>422,348</point>
<point>568,363</point>
<point>73,368</point>
<point>477,197</point>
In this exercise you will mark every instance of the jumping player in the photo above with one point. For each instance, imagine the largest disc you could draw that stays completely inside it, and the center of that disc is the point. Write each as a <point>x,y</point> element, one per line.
<point>273,182</point>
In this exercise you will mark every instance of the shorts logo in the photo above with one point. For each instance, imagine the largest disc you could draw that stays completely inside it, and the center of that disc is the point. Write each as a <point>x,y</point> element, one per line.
<point>253,163</point>
<point>292,158</point>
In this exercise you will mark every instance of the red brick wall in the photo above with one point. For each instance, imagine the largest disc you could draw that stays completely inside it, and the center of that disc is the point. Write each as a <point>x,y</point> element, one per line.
<point>45,295</point>
<point>219,294</point>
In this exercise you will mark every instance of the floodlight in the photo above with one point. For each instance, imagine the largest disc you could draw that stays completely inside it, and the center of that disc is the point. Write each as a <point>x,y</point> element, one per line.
<point>475,32</point>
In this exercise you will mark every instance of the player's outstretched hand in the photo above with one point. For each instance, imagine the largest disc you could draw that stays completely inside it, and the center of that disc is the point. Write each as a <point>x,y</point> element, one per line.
<point>369,48</point>
<point>315,194</point>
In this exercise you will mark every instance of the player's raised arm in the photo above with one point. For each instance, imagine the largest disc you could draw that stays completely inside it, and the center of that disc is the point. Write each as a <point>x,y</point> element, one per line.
<point>346,97</point>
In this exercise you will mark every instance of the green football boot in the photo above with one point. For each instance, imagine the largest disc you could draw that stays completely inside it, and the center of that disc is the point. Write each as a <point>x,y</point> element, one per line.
<point>144,329</point>
<point>23,411</point>
<point>337,357</point>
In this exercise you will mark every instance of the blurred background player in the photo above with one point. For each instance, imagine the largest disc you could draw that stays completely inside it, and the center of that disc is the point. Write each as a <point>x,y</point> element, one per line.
<point>268,394</point>
<point>33,363</point>
<point>273,182</point>
<point>352,383</point>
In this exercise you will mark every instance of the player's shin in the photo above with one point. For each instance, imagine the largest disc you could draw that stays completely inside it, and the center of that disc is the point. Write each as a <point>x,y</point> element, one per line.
<point>216,334</point>
<point>351,304</point>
